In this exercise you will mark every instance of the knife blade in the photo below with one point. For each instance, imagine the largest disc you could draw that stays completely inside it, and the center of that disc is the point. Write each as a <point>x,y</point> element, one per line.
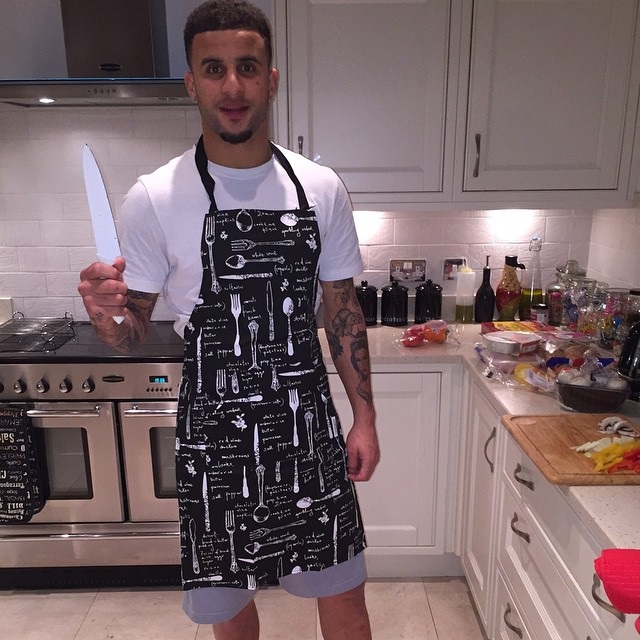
<point>272,333</point>
<point>104,228</point>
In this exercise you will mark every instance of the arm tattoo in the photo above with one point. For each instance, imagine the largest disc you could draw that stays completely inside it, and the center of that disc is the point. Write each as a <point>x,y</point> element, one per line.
<point>123,336</point>
<point>348,322</point>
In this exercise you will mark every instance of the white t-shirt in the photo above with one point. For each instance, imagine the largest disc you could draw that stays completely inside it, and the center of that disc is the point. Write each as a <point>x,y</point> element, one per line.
<point>163,213</point>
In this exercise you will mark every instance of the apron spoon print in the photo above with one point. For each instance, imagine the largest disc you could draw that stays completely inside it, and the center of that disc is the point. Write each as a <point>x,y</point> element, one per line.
<point>287,308</point>
<point>305,503</point>
<point>291,219</point>
<point>239,261</point>
<point>244,221</point>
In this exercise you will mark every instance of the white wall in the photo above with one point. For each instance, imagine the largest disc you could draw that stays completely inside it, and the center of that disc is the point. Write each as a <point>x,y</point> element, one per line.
<point>46,238</point>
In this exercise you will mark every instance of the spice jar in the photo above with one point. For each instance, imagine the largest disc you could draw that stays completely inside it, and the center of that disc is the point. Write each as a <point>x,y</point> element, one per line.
<point>577,288</point>
<point>589,308</point>
<point>613,312</point>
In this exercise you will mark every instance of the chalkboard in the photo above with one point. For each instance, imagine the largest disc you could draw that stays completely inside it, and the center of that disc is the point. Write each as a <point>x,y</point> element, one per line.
<point>21,494</point>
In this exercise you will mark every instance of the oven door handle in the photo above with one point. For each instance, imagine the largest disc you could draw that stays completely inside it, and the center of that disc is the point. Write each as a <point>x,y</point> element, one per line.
<point>136,411</point>
<point>63,413</point>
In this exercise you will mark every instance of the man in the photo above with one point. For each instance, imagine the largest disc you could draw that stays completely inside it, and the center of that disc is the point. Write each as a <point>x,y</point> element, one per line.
<point>237,234</point>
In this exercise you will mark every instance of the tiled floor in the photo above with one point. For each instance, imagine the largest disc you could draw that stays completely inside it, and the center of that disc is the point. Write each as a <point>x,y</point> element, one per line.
<point>430,609</point>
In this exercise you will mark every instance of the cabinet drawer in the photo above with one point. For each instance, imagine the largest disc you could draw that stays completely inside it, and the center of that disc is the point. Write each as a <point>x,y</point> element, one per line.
<point>536,581</point>
<point>570,545</point>
<point>508,624</point>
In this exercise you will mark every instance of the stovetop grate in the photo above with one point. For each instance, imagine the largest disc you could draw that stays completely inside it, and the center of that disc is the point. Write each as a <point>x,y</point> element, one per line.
<point>20,334</point>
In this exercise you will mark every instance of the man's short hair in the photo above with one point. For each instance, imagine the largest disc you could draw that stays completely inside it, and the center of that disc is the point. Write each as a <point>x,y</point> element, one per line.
<point>223,15</point>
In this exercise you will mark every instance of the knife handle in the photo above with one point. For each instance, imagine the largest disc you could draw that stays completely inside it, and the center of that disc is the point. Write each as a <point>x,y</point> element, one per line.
<point>118,319</point>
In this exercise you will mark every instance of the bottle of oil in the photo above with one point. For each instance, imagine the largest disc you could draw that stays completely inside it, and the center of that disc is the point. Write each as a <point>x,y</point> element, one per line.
<point>509,289</point>
<point>485,301</point>
<point>532,291</point>
<point>465,285</point>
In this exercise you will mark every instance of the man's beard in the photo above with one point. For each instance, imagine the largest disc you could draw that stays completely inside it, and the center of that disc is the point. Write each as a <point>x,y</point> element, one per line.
<point>236,138</point>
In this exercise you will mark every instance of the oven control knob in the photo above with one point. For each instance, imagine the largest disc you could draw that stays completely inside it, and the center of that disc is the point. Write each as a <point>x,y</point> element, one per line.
<point>65,386</point>
<point>42,386</point>
<point>88,385</point>
<point>19,386</point>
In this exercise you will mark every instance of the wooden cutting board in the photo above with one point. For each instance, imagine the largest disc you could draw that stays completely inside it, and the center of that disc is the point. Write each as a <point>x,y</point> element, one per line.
<point>547,440</point>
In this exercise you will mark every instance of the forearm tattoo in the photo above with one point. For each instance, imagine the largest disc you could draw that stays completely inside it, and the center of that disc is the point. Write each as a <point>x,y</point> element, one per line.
<point>134,330</point>
<point>348,322</point>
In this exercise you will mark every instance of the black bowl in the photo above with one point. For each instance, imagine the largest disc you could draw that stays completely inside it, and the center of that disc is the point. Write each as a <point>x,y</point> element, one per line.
<point>591,399</point>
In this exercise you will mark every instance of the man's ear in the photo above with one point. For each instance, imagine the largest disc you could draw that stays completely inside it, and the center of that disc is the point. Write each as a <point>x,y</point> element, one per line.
<point>190,85</point>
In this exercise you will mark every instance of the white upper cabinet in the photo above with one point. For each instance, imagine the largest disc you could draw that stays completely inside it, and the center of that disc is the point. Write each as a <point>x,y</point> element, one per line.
<point>416,103</point>
<point>367,92</point>
<point>549,91</point>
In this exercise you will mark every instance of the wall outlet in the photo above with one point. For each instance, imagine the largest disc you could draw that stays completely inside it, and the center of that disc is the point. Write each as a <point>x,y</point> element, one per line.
<point>407,270</point>
<point>448,272</point>
<point>6,309</point>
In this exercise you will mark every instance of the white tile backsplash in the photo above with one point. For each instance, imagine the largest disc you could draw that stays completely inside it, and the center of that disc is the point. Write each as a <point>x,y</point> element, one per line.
<point>46,237</point>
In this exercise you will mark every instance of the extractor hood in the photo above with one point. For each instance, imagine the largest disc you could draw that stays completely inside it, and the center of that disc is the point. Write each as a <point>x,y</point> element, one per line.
<point>93,53</point>
<point>90,92</point>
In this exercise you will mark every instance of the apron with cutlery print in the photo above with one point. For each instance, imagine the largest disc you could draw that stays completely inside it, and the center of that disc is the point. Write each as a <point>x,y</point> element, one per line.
<point>260,456</point>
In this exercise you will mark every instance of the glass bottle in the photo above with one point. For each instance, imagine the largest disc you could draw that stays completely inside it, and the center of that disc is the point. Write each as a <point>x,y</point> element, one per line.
<point>532,292</point>
<point>509,289</point>
<point>485,302</point>
<point>555,293</point>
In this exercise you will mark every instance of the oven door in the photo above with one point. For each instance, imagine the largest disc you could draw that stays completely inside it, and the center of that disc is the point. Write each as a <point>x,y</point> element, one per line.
<point>148,444</point>
<point>77,446</point>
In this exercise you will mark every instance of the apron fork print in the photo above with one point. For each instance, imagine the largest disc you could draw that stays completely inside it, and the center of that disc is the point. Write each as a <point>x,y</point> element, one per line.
<point>230,526</point>
<point>236,310</point>
<point>209,238</point>
<point>294,403</point>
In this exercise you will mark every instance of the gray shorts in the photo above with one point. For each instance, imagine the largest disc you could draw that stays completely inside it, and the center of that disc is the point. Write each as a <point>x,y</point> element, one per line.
<point>211,605</point>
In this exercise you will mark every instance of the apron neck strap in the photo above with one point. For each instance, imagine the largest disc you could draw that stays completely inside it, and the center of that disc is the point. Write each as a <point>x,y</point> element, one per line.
<point>209,183</point>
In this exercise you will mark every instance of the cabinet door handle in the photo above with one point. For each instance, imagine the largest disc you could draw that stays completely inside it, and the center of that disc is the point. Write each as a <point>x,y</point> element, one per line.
<point>300,144</point>
<point>527,483</point>
<point>516,630</point>
<point>605,605</point>
<point>486,446</point>
<point>476,168</point>
<point>525,536</point>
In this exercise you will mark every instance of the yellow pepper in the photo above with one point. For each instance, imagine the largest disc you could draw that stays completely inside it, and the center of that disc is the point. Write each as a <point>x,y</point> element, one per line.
<point>612,454</point>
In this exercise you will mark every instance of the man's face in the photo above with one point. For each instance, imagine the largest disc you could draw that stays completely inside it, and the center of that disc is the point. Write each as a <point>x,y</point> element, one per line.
<point>232,83</point>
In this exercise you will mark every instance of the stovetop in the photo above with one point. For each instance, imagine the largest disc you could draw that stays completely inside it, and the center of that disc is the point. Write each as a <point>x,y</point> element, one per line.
<point>78,342</point>
<point>77,366</point>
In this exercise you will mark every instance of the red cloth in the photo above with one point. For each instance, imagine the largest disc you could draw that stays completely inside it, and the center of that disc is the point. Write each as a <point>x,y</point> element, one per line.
<point>619,571</point>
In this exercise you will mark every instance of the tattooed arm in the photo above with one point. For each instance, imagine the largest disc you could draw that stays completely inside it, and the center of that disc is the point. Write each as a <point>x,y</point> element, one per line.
<point>105,294</point>
<point>347,337</point>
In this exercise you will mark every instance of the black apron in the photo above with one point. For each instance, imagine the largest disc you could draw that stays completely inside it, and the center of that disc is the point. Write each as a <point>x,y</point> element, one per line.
<point>260,457</point>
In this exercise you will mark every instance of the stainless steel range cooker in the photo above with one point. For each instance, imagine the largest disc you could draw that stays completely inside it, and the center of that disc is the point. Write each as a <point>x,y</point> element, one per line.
<point>105,425</point>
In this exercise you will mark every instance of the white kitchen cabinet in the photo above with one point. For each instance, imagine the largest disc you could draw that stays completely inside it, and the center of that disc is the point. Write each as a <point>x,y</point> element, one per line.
<point>547,555</point>
<point>551,99</point>
<point>367,92</point>
<point>409,501</point>
<point>478,502</point>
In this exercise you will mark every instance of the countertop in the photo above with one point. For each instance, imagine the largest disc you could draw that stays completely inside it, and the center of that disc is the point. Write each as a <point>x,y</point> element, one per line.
<point>612,514</point>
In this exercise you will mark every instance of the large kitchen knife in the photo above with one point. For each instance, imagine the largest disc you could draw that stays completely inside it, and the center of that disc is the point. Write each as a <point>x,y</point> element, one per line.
<point>104,228</point>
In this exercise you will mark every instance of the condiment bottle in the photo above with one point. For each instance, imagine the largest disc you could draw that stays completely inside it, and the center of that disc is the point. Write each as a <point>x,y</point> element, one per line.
<point>532,292</point>
<point>485,302</point>
<point>465,285</point>
<point>509,289</point>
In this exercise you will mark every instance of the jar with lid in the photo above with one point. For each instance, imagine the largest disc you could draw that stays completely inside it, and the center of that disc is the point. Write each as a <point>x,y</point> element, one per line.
<point>394,305</point>
<point>428,302</point>
<point>575,292</point>
<point>590,305</point>
<point>613,312</point>
<point>367,296</point>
